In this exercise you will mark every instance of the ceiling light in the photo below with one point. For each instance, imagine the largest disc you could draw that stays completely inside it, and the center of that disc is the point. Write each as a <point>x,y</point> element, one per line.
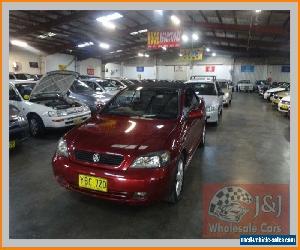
<point>180,54</point>
<point>140,54</point>
<point>111,52</point>
<point>184,38</point>
<point>119,50</point>
<point>164,48</point>
<point>51,34</point>
<point>160,12</point>
<point>109,25</point>
<point>42,36</point>
<point>175,20</point>
<point>257,11</point>
<point>213,54</point>
<point>146,55</point>
<point>143,31</point>
<point>110,17</point>
<point>207,49</point>
<point>19,43</point>
<point>104,45</point>
<point>195,37</point>
<point>138,32</point>
<point>134,33</point>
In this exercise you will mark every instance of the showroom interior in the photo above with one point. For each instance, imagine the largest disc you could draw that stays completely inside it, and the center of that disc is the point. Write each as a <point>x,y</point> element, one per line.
<point>248,144</point>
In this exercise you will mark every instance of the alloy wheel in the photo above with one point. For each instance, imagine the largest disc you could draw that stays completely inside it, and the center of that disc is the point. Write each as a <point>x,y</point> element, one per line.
<point>179,178</point>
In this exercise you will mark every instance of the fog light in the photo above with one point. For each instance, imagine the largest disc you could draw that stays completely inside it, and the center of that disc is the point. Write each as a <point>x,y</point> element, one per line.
<point>139,195</point>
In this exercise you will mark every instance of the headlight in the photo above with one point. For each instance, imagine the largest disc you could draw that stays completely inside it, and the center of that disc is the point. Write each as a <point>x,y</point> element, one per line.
<point>62,148</point>
<point>226,94</point>
<point>153,160</point>
<point>85,108</point>
<point>211,108</point>
<point>57,113</point>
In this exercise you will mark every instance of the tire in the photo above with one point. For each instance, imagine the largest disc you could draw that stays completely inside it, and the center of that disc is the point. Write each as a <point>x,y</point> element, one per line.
<point>177,183</point>
<point>36,126</point>
<point>202,143</point>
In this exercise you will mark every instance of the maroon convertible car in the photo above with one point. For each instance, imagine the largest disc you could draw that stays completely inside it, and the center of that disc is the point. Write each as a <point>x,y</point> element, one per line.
<point>138,146</point>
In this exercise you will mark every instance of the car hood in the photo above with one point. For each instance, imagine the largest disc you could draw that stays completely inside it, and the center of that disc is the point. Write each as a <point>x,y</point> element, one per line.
<point>58,82</point>
<point>121,135</point>
<point>286,98</point>
<point>92,97</point>
<point>275,90</point>
<point>283,93</point>
<point>210,100</point>
<point>226,90</point>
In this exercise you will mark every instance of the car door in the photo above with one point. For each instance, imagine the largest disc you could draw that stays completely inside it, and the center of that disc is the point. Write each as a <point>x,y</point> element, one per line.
<point>15,98</point>
<point>220,97</point>
<point>191,102</point>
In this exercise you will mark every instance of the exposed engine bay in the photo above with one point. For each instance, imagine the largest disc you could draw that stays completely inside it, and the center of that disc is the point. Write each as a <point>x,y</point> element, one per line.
<point>57,103</point>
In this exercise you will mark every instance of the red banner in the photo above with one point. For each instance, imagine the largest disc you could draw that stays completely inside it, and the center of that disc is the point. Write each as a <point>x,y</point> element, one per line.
<point>235,209</point>
<point>90,71</point>
<point>209,68</point>
<point>168,39</point>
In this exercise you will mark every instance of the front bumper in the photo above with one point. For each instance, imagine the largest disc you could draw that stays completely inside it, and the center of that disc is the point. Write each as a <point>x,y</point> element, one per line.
<point>284,108</point>
<point>122,184</point>
<point>19,134</point>
<point>212,116</point>
<point>226,100</point>
<point>66,121</point>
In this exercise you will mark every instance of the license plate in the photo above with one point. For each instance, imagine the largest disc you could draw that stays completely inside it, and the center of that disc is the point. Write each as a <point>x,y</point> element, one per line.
<point>93,183</point>
<point>77,121</point>
<point>285,107</point>
<point>12,144</point>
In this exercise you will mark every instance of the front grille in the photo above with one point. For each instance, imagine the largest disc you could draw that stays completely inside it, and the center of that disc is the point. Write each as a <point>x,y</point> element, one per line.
<point>108,159</point>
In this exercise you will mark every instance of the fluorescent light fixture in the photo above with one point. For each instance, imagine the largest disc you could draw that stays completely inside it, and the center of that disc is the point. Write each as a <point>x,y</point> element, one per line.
<point>180,54</point>
<point>140,55</point>
<point>104,45</point>
<point>109,18</point>
<point>111,52</point>
<point>119,50</point>
<point>82,45</point>
<point>146,55</point>
<point>195,37</point>
<point>42,36</point>
<point>207,49</point>
<point>19,43</point>
<point>138,32</point>
<point>164,48</point>
<point>184,38</point>
<point>175,20</point>
<point>257,11</point>
<point>109,25</point>
<point>160,12</point>
<point>50,34</point>
<point>213,54</point>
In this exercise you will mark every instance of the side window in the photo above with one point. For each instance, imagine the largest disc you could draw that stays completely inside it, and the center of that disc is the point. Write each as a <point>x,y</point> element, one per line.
<point>218,88</point>
<point>13,96</point>
<point>191,100</point>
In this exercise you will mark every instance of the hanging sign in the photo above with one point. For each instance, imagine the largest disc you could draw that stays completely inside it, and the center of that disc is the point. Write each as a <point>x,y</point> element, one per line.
<point>168,39</point>
<point>192,54</point>
<point>90,71</point>
<point>210,68</point>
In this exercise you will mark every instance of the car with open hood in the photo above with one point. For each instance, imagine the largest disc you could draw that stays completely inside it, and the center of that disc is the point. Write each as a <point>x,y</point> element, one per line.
<point>18,126</point>
<point>47,106</point>
<point>207,88</point>
<point>227,90</point>
<point>245,86</point>
<point>137,148</point>
<point>282,86</point>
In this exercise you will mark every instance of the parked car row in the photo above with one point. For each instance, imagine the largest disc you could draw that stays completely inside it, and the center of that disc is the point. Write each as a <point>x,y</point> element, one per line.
<point>24,76</point>
<point>278,93</point>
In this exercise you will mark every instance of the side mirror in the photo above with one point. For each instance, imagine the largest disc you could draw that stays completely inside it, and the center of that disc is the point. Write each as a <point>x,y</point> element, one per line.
<point>196,113</point>
<point>100,106</point>
<point>26,97</point>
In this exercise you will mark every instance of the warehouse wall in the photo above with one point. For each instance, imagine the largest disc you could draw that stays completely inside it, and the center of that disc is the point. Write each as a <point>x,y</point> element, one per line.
<point>226,67</point>
<point>86,65</point>
<point>23,57</point>
<point>53,61</point>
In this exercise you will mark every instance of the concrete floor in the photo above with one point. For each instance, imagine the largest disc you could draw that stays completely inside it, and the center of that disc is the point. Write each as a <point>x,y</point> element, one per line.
<point>250,145</point>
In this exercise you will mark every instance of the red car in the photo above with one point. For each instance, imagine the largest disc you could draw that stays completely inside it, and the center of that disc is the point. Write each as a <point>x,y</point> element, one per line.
<point>137,148</point>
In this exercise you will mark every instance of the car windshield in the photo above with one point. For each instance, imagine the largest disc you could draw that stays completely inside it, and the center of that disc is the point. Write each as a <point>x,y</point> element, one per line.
<point>79,87</point>
<point>11,77</point>
<point>25,88</point>
<point>107,84</point>
<point>144,102</point>
<point>205,88</point>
